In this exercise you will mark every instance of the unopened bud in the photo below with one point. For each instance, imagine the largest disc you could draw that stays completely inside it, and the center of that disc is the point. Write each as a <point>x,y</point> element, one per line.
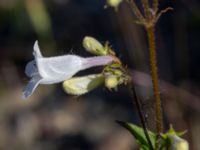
<point>178,143</point>
<point>82,85</point>
<point>111,82</point>
<point>114,3</point>
<point>94,46</point>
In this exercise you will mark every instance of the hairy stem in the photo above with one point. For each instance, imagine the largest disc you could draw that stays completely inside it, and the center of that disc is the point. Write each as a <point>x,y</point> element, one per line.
<point>135,9</point>
<point>145,6</point>
<point>141,114</point>
<point>155,82</point>
<point>155,5</point>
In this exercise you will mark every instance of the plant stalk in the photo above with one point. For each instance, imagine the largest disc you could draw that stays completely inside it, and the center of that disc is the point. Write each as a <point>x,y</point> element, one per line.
<point>145,6</point>
<point>141,116</point>
<point>155,5</point>
<point>154,73</point>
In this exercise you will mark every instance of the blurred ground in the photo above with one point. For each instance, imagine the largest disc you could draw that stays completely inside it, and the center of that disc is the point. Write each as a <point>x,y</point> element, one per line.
<point>53,120</point>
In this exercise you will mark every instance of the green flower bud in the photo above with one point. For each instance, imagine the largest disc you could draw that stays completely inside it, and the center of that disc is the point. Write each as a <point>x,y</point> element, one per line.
<point>118,72</point>
<point>178,143</point>
<point>93,46</point>
<point>114,3</point>
<point>111,82</point>
<point>82,85</point>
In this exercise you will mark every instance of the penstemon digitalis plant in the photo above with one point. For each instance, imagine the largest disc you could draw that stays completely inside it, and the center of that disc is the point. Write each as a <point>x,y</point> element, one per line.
<point>49,70</point>
<point>158,140</point>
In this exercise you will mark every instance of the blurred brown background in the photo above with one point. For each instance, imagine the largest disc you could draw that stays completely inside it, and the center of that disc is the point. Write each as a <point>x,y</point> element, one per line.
<point>52,120</point>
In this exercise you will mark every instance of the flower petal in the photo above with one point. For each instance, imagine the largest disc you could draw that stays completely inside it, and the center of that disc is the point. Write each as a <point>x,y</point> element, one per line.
<point>97,61</point>
<point>59,68</point>
<point>31,86</point>
<point>36,51</point>
<point>31,69</point>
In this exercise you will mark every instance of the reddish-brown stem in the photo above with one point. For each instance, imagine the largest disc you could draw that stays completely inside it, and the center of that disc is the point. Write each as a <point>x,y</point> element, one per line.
<point>149,20</point>
<point>155,82</point>
<point>135,10</point>
<point>145,6</point>
<point>155,5</point>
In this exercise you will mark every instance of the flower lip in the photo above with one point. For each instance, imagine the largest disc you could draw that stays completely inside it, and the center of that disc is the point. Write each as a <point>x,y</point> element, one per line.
<point>49,70</point>
<point>31,69</point>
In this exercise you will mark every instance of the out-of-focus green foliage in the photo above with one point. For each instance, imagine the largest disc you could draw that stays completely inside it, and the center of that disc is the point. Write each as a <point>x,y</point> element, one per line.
<point>39,17</point>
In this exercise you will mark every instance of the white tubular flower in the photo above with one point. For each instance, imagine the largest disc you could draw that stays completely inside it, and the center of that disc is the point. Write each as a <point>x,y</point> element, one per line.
<point>49,70</point>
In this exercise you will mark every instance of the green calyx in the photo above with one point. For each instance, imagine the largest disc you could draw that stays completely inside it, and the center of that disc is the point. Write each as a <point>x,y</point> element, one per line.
<point>115,74</point>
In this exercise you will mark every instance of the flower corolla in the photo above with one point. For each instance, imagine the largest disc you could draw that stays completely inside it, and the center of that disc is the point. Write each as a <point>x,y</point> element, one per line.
<point>49,70</point>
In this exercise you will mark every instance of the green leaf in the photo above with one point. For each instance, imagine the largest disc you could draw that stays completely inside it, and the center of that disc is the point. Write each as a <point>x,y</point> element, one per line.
<point>139,135</point>
<point>164,144</point>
